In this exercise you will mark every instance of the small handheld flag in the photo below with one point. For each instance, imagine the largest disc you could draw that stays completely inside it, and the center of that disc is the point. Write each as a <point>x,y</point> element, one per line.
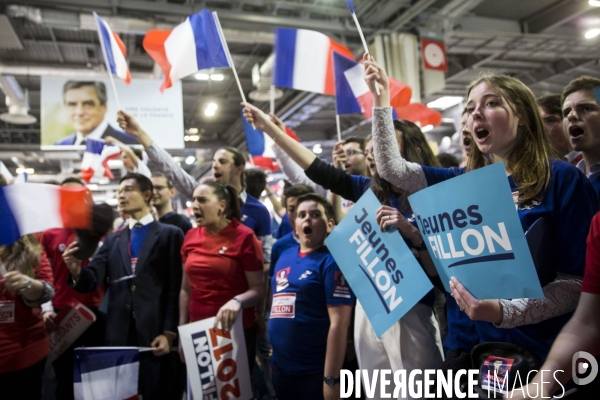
<point>95,159</point>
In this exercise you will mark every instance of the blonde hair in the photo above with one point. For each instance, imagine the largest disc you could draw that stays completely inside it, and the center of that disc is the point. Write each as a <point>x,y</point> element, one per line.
<point>24,255</point>
<point>529,157</point>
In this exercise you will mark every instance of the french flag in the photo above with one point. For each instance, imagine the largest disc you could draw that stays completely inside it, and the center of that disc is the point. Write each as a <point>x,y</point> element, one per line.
<point>304,60</point>
<point>114,50</point>
<point>259,146</point>
<point>36,207</point>
<point>95,159</point>
<point>352,92</point>
<point>198,43</point>
<point>106,373</point>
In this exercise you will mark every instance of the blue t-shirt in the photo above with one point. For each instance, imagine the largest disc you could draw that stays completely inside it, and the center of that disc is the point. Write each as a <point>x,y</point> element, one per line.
<point>279,247</point>
<point>256,216</point>
<point>303,288</point>
<point>284,228</point>
<point>569,203</point>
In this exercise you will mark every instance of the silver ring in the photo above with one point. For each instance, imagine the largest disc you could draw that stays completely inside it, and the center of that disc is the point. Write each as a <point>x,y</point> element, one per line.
<point>461,309</point>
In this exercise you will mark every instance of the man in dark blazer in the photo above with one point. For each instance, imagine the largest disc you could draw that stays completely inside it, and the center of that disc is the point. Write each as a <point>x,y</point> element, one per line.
<point>141,267</point>
<point>85,102</point>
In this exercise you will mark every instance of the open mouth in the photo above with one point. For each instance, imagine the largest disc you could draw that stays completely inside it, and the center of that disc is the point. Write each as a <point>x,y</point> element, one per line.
<point>307,230</point>
<point>482,133</point>
<point>467,142</point>
<point>217,175</point>
<point>197,216</point>
<point>575,131</point>
<point>372,166</point>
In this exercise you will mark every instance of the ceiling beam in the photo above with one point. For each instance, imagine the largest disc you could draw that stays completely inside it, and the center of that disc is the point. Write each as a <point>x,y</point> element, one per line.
<point>556,15</point>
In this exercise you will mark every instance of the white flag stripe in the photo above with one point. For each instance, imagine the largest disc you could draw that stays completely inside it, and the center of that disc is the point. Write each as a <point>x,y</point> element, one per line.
<point>180,48</point>
<point>310,61</point>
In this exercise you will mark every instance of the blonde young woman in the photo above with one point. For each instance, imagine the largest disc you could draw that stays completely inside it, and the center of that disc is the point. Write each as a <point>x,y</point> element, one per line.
<point>506,126</point>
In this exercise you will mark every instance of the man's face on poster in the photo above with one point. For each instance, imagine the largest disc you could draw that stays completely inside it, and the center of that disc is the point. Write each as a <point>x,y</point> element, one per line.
<point>84,108</point>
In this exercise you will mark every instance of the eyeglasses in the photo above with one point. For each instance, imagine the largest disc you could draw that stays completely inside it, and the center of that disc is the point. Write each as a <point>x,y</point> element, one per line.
<point>126,189</point>
<point>350,153</point>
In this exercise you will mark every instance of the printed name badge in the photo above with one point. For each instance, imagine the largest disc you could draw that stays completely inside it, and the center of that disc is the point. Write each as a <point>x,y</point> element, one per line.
<point>284,305</point>
<point>495,373</point>
<point>7,312</point>
<point>341,288</point>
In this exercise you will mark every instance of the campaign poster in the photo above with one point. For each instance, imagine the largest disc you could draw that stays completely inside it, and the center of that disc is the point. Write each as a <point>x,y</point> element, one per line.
<point>381,270</point>
<point>75,108</point>
<point>472,231</point>
<point>217,362</point>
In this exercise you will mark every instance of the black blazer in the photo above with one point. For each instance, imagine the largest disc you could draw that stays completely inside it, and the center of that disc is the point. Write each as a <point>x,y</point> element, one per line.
<point>153,294</point>
<point>109,131</point>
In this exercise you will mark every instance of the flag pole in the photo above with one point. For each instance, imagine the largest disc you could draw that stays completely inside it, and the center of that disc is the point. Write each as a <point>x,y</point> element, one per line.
<point>112,81</point>
<point>229,59</point>
<point>339,131</point>
<point>364,42</point>
<point>272,99</point>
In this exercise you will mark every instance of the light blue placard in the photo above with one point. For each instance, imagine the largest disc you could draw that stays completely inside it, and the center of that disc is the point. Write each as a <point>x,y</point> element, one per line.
<point>472,230</point>
<point>381,270</point>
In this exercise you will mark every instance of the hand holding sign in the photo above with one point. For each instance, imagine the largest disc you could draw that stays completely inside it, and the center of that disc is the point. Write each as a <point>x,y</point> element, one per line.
<point>477,310</point>
<point>228,314</point>
<point>388,216</point>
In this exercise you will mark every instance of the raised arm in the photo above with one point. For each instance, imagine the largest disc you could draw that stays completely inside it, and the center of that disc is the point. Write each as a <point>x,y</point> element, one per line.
<point>183,181</point>
<point>300,154</point>
<point>390,164</point>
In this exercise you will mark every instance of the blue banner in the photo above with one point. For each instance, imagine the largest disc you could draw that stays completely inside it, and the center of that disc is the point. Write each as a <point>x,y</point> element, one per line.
<point>380,268</point>
<point>472,231</point>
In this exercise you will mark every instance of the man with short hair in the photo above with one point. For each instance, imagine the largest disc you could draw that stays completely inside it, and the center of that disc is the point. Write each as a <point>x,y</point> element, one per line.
<point>141,267</point>
<point>551,113</point>
<point>162,201</point>
<point>86,105</point>
<point>581,114</point>
<point>350,155</point>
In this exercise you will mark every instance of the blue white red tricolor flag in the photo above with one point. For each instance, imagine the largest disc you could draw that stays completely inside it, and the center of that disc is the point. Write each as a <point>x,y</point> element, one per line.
<point>195,44</point>
<point>259,146</point>
<point>114,50</point>
<point>95,159</point>
<point>36,207</point>
<point>106,373</point>
<point>304,60</point>
<point>352,92</point>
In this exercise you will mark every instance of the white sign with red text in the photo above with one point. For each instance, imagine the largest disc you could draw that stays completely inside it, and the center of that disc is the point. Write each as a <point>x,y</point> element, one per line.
<point>72,320</point>
<point>217,362</point>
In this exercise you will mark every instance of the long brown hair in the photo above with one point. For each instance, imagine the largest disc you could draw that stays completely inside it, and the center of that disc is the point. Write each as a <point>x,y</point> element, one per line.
<point>529,157</point>
<point>416,149</point>
<point>23,255</point>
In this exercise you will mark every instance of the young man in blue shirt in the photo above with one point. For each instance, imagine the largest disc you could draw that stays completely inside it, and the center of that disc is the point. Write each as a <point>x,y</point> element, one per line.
<point>312,306</point>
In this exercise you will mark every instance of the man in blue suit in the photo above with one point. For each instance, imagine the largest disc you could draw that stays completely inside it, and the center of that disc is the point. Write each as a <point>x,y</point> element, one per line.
<point>141,267</point>
<point>85,102</point>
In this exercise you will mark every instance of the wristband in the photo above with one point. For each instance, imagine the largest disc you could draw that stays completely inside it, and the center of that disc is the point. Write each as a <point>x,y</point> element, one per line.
<point>27,285</point>
<point>239,301</point>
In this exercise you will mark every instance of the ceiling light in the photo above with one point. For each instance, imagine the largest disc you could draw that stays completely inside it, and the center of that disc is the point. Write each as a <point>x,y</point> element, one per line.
<point>92,186</point>
<point>194,138</point>
<point>426,128</point>
<point>217,77</point>
<point>202,77</point>
<point>209,112</point>
<point>186,138</point>
<point>210,106</point>
<point>103,181</point>
<point>594,3</point>
<point>193,131</point>
<point>188,203</point>
<point>21,170</point>
<point>592,33</point>
<point>190,160</point>
<point>445,102</point>
<point>317,149</point>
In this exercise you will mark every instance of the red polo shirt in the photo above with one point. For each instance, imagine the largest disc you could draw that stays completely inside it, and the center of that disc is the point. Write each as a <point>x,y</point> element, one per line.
<point>214,266</point>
